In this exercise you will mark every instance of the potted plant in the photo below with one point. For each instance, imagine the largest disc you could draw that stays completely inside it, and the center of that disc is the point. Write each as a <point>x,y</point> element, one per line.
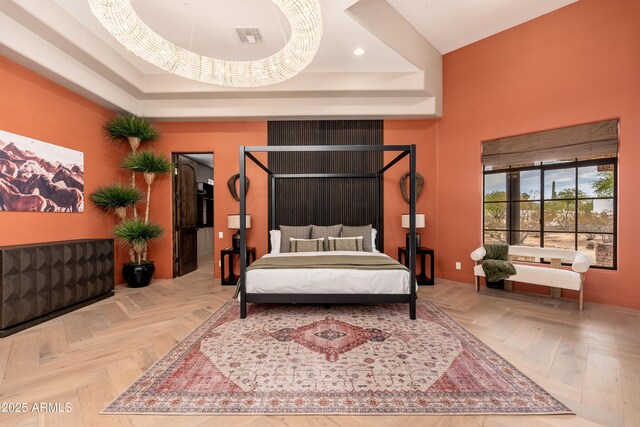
<point>137,234</point>
<point>132,231</point>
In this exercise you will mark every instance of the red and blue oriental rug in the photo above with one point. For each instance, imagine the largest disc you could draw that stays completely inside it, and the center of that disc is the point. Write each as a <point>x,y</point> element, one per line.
<point>343,360</point>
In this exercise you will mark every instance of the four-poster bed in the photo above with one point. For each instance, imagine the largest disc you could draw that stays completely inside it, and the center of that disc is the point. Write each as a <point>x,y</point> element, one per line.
<point>399,295</point>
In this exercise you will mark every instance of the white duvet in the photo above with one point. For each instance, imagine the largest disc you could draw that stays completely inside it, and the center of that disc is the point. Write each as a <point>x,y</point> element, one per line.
<point>326,280</point>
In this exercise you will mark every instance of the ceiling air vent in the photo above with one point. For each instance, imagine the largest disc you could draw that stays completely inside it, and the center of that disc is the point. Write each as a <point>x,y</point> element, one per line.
<point>249,35</point>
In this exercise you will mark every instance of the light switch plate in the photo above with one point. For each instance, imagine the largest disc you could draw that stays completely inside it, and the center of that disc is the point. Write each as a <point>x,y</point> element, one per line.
<point>220,235</point>
<point>458,266</point>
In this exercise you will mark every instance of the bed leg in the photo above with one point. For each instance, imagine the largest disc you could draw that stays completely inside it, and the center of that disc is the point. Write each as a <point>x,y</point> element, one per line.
<point>477,283</point>
<point>243,308</point>
<point>412,309</point>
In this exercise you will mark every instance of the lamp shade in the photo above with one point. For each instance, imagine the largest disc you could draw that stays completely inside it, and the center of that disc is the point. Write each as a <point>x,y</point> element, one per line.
<point>233,221</point>
<point>420,218</point>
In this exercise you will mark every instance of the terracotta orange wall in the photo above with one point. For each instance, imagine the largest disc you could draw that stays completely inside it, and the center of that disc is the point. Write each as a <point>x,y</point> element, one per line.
<point>224,140</point>
<point>423,133</point>
<point>35,107</point>
<point>575,65</point>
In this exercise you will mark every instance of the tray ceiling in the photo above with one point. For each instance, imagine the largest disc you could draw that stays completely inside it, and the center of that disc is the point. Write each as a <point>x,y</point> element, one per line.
<point>398,76</point>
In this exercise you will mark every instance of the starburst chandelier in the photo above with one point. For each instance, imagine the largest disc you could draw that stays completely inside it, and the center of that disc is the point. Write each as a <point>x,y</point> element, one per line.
<point>304,16</point>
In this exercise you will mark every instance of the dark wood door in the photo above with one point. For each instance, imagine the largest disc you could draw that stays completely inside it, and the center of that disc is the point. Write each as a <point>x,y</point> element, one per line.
<point>186,220</point>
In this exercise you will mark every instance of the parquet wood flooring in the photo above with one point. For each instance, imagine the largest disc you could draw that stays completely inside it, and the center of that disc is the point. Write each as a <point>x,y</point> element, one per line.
<point>589,360</point>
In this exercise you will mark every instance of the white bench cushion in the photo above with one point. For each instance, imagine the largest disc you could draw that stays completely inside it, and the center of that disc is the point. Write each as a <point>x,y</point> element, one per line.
<point>580,260</point>
<point>538,275</point>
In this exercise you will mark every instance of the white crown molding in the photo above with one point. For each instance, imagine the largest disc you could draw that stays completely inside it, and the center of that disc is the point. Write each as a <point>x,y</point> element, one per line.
<point>167,84</point>
<point>291,108</point>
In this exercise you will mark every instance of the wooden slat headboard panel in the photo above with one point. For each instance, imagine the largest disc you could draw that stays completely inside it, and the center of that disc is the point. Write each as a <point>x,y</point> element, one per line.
<point>325,201</point>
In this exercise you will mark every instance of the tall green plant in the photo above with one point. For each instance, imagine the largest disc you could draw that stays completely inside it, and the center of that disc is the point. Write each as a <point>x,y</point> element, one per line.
<point>135,232</point>
<point>136,130</point>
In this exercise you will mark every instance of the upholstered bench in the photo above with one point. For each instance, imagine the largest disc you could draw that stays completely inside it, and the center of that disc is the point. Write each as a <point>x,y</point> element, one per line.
<point>556,277</point>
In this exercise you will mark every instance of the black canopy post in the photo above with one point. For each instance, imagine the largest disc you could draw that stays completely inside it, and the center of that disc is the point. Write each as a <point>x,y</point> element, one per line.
<point>378,208</point>
<point>272,207</point>
<point>412,230</point>
<point>243,234</point>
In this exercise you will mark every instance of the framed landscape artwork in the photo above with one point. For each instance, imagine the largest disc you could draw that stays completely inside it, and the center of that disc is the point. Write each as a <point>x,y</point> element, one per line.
<point>36,176</point>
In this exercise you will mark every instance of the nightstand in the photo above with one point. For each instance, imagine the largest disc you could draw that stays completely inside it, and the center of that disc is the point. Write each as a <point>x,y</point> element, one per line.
<point>232,279</point>
<point>421,252</point>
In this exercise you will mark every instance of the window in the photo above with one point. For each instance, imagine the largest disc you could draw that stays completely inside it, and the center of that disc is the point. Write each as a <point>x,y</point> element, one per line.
<point>560,204</point>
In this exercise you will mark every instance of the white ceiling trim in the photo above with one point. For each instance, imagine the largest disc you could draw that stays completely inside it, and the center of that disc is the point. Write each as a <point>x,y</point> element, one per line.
<point>291,108</point>
<point>158,84</point>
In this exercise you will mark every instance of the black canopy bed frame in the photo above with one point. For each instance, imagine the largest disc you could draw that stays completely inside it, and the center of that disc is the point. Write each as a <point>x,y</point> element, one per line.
<point>402,150</point>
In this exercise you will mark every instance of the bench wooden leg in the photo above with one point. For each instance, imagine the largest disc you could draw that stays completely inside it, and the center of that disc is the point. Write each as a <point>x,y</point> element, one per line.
<point>477,283</point>
<point>555,292</point>
<point>581,304</point>
<point>508,285</point>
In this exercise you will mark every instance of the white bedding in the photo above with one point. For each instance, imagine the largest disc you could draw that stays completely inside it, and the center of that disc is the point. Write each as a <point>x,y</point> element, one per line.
<point>327,280</point>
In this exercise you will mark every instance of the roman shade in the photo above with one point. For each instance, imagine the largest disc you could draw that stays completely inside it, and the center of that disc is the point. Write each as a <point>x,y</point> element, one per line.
<point>586,141</point>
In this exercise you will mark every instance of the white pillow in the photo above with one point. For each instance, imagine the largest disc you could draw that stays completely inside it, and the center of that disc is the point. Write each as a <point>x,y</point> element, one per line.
<point>275,241</point>
<point>374,232</point>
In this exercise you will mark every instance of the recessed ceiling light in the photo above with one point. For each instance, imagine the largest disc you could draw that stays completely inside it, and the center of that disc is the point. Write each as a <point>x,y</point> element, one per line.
<point>358,52</point>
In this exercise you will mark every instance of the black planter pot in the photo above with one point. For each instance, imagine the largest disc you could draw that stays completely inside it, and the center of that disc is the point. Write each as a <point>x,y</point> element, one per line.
<point>138,275</point>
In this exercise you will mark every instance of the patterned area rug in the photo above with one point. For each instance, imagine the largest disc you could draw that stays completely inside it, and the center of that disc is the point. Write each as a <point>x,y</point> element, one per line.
<point>342,360</point>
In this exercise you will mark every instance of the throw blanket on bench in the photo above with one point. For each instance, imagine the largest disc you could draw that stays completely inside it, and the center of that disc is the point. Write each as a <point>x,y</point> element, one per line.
<point>355,262</point>
<point>495,264</point>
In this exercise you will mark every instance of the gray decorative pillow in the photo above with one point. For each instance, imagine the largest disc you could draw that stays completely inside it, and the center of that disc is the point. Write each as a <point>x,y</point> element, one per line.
<point>325,232</point>
<point>306,245</point>
<point>363,230</point>
<point>288,231</point>
<point>345,243</point>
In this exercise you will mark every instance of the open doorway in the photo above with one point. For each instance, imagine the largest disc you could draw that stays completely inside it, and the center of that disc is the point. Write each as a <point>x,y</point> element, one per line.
<point>193,205</point>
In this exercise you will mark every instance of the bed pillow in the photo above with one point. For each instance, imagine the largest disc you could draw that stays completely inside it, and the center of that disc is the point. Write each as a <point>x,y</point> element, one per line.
<point>374,233</point>
<point>346,243</point>
<point>275,241</point>
<point>306,245</point>
<point>363,230</point>
<point>325,232</point>
<point>288,231</point>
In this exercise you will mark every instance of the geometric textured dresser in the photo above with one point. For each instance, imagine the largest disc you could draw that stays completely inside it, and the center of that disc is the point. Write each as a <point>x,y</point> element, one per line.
<point>41,281</point>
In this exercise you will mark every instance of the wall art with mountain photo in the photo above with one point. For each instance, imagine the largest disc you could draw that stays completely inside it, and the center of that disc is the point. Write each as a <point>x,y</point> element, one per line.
<point>36,176</point>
